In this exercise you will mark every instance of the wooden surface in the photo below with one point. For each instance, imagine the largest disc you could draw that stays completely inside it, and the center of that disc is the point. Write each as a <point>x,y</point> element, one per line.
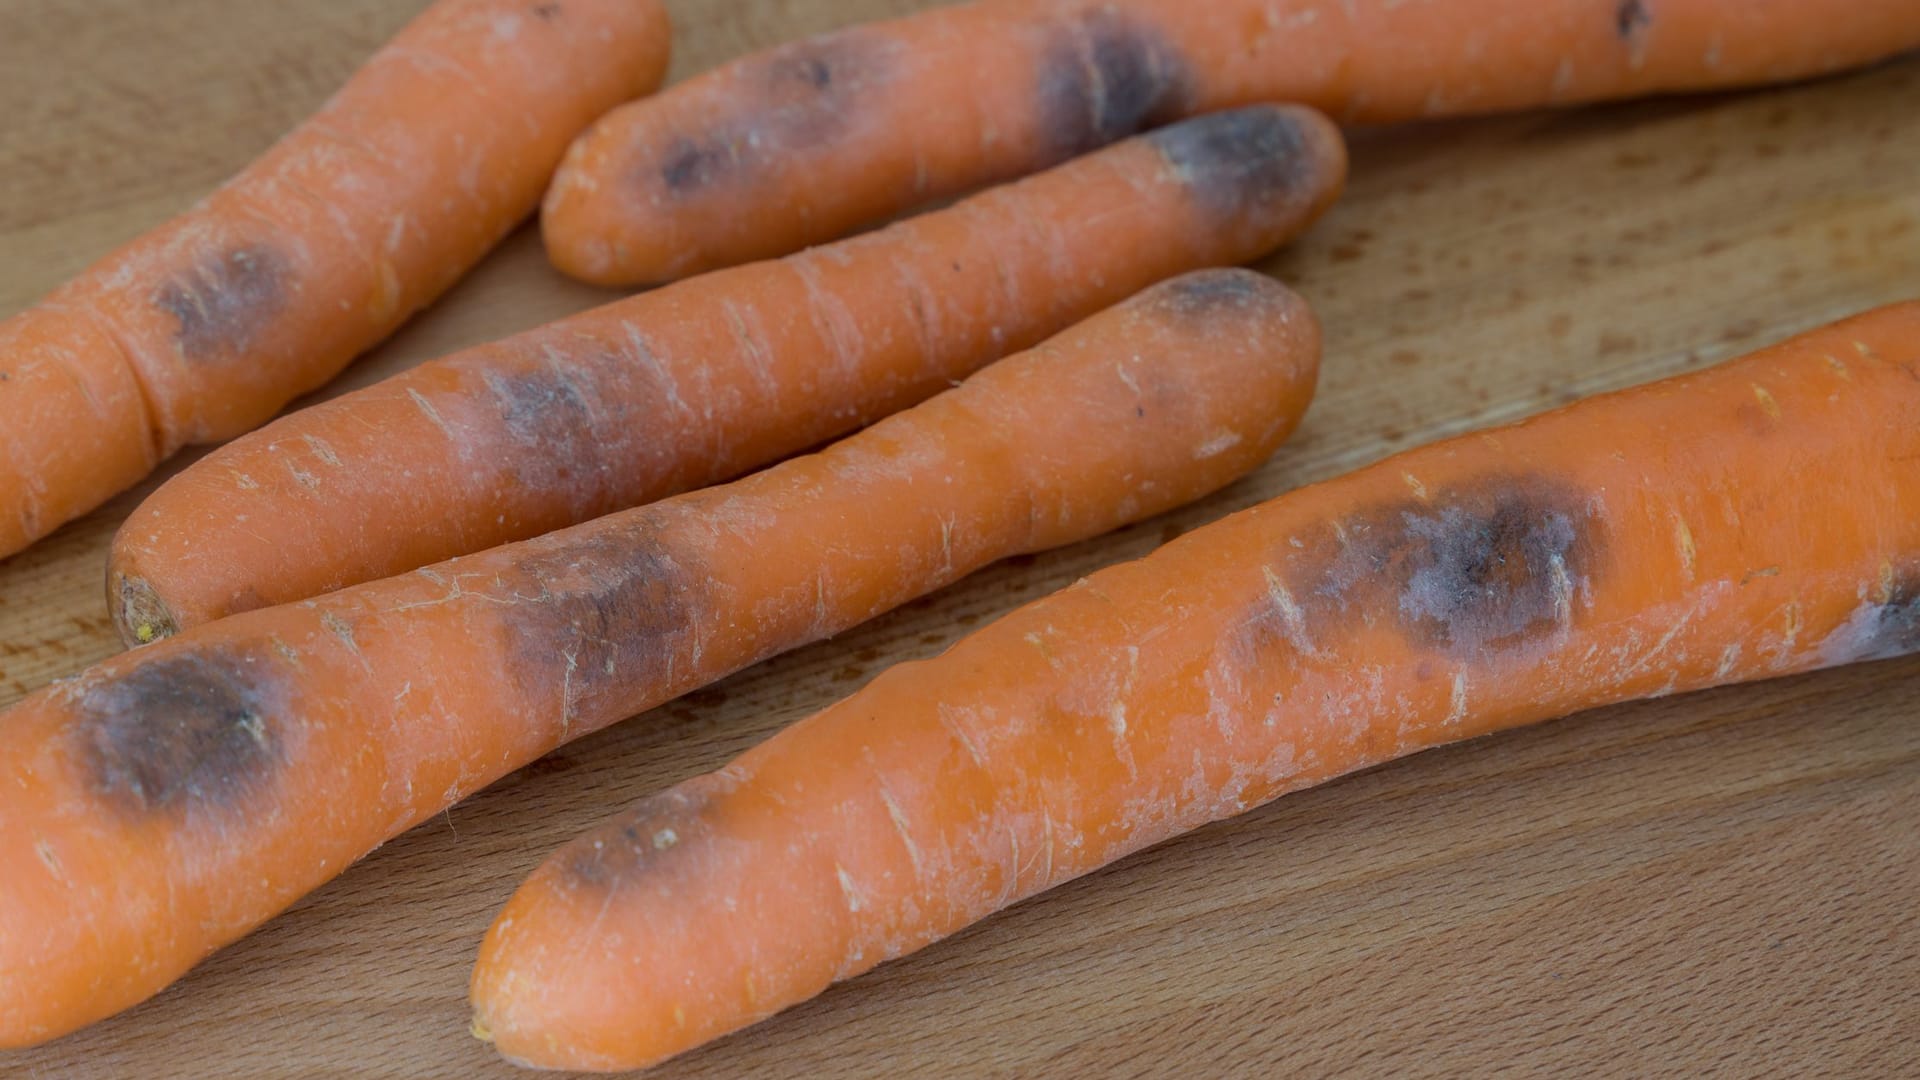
<point>1725,880</point>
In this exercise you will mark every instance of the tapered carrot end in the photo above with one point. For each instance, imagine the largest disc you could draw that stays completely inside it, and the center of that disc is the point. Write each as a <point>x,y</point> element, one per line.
<point>608,956</point>
<point>139,614</point>
<point>538,995</point>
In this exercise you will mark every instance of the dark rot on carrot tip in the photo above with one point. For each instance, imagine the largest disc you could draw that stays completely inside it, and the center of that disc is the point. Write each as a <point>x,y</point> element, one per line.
<point>196,730</point>
<point>1237,161</point>
<point>1105,76</point>
<point>1492,566</point>
<point>602,611</point>
<point>222,305</point>
<point>789,98</point>
<point>1222,292</point>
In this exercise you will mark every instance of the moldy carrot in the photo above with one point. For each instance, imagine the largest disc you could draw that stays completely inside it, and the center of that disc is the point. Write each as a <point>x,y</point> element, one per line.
<point>1753,520</point>
<point>209,324</point>
<point>167,801</point>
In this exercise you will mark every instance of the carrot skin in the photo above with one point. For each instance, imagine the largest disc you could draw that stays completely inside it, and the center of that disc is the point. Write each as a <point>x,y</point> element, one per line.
<point>694,384</point>
<point>1661,539</point>
<point>807,141</point>
<point>165,802</point>
<point>209,324</point>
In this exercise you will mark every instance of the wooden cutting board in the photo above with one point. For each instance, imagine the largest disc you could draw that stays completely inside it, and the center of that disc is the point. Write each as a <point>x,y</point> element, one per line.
<point>1724,880</point>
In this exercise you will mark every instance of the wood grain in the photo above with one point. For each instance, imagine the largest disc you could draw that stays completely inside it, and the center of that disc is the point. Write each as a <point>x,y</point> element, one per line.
<point>1723,882</point>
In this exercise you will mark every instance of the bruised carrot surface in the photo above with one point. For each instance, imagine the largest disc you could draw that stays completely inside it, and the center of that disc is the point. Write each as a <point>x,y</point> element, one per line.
<point>1753,520</point>
<point>206,326</point>
<point>692,385</point>
<point>804,142</point>
<point>167,801</point>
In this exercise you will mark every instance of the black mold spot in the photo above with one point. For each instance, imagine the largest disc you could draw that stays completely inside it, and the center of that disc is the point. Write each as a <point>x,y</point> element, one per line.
<point>1898,632</point>
<point>790,99</point>
<point>1104,78</point>
<point>694,164</point>
<point>550,422</point>
<point>647,838</point>
<point>1630,18</point>
<point>1488,575</point>
<point>548,12</point>
<point>812,69</point>
<point>223,304</point>
<point>1493,565</point>
<point>1211,293</point>
<point>1239,161</point>
<point>600,621</point>
<point>192,729</point>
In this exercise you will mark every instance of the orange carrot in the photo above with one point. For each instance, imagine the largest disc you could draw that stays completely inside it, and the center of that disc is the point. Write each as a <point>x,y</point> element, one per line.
<point>1758,519</point>
<point>207,325</point>
<point>169,800</point>
<point>805,142</point>
<point>692,385</point>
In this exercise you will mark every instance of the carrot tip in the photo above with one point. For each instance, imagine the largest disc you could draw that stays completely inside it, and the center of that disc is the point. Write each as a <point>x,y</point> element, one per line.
<point>142,615</point>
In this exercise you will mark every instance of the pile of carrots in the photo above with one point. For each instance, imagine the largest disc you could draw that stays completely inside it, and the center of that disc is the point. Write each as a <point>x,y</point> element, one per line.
<point>356,615</point>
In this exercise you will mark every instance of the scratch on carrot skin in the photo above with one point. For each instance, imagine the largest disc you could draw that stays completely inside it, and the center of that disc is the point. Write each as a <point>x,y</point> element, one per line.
<point>945,713</point>
<point>1217,445</point>
<point>50,860</point>
<point>1046,651</point>
<point>1122,749</point>
<point>303,478</point>
<point>285,650</point>
<point>1457,699</point>
<point>1728,658</point>
<point>1046,818</point>
<point>1291,616</point>
<point>321,450</point>
<point>1767,404</point>
<point>663,376</point>
<point>566,691</point>
<point>1838,366</point>
<point>826,304</point>
<point>1659,648</point>
<point>752,347</point>
<point>1562,79</point>
<point>847,888</point>
<point>433,415</point>
<point>899,820</point>
<point>1413,483</point>
<point>338,628</point>
<point>920,305</point>
<point>1683,538</point>
<point>1563,590</point>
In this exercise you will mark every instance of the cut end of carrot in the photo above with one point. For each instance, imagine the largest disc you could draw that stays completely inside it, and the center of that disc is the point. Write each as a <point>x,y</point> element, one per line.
<point>138,612</point>
<point>478,1028</point>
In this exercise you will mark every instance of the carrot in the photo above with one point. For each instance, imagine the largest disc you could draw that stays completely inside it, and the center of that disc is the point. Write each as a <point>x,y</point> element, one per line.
<point>172,798</point>
<point>1757,519</point>
<point>206,326</point>
<point>691,385</point>
<point>805,142</point>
